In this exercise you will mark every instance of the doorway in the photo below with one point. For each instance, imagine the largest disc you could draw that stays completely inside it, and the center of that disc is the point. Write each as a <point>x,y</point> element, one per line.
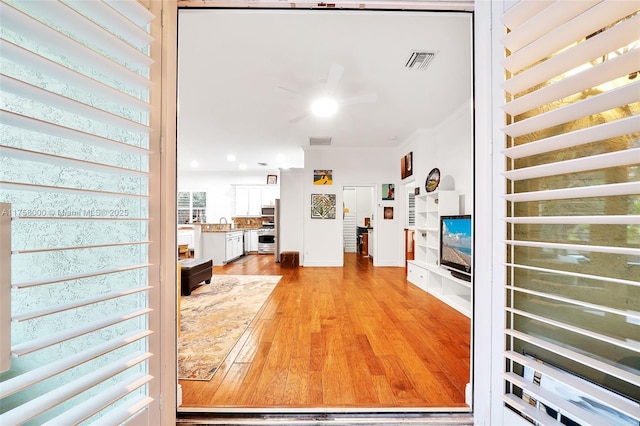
<point>358,208</point>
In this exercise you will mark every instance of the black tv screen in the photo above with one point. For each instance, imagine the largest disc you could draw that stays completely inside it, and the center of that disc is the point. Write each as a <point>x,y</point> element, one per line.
<point>456,244</point>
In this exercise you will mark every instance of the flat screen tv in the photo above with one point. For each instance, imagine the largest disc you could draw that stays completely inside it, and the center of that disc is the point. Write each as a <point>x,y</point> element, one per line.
<point>456,245</point>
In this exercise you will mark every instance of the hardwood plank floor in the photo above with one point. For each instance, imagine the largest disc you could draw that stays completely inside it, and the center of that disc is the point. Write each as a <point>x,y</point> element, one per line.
<point>356,336</point>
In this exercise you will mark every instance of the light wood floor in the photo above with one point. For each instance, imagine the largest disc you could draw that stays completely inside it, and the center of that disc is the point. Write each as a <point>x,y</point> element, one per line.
<point>356,336</point>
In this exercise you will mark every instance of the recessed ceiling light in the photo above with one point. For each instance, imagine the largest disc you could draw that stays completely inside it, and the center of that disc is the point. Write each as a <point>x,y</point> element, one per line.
<point>242,166</point>
<point>231,158</point>
<point>194,164</point>
<point>280,157</point>
<point>324,107</point>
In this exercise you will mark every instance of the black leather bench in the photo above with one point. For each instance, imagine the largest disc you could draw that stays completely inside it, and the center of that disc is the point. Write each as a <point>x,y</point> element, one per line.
<point>193,272</point>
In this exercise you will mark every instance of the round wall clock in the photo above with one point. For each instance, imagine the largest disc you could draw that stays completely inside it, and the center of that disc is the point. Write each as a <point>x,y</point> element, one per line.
<point>433,179</point>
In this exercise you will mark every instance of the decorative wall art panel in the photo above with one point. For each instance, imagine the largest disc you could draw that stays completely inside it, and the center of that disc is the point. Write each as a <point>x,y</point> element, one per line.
<point>323,206</point>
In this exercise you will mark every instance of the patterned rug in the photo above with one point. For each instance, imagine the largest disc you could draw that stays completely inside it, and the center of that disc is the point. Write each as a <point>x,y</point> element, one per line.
<point>214,317</point>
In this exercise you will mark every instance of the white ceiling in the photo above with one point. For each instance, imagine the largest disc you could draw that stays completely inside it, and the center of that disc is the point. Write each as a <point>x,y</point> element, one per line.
<point>244,74</point>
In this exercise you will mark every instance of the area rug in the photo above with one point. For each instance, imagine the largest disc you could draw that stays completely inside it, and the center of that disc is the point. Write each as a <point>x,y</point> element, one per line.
<point>214,317</point>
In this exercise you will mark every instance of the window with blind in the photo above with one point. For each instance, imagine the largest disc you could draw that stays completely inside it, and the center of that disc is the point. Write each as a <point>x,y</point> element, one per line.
<point>74,170</point>
<point>573,211</point>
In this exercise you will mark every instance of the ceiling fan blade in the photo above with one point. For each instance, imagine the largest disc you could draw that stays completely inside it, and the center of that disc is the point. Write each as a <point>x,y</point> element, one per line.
<point>299,117</point>
<point>335,73</point>
<point>293,92</point>
<point>361,99</point>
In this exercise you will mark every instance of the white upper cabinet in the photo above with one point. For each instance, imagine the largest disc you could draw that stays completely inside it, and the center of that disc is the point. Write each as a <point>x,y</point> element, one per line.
<point>250,199</point>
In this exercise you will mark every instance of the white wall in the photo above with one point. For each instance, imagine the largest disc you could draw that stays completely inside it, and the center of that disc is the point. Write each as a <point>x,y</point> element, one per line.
<point>291,212</point>
<point>448,147</point>
<point>351,167</point>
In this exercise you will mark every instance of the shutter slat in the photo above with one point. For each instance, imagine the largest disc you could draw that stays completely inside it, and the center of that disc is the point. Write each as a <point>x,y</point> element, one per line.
<point>125,411</point>
<point>30,378</point>
<point>19,22</point>
<point>32,60</point>
<point>29,91</point>
<point>77,304</point>
<point>59,279</point>
<point>606,71</point>
<point>28,155</point>
<point>626,188</point>
<point>575,274</point>
<point>580,247</point>
<point>621,35</point>
<point>594,162</point>
<point>90,407</point>
<point>604,131</point>
<point>29,123</point>
<point>539,416</point>
<point>61,189</point>
<point>522,11</point>
<point>567,33</point>
<point>578,330</point>
<point>577,220</point>
<point>93,246</point>
<point>53,339</point>
<point>41,404</point>
<point>132,10</point>
<point>591,306</point>
<point>620,96</point>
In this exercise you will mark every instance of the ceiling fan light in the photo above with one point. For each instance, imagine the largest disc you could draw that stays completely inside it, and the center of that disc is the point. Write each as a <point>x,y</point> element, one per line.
<point>324,107</point>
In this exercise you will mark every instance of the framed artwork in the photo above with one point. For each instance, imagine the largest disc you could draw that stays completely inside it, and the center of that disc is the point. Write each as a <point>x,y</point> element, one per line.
<point>406,165</point>
<point>323,177</point>
<point>388,191</point>
<point>323,206</point>
<point>388,213</point>
<point>272,179</point>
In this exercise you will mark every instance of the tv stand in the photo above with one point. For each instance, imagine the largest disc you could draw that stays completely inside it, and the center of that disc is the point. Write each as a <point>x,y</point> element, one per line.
<point>461,276</point>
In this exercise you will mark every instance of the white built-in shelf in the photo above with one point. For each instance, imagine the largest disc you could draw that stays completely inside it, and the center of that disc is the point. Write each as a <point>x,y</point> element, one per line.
<point>424,270</point>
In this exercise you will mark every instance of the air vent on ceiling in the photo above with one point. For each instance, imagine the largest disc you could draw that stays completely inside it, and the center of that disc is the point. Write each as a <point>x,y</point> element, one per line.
<point>320,141</point>
<point>420,60</point>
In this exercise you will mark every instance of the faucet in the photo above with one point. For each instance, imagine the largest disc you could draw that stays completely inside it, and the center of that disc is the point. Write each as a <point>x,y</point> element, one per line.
<point>225,220</point>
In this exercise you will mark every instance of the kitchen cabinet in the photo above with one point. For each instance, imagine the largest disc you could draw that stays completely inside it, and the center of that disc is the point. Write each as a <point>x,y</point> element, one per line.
<point>251,241</point>
<point>250,199</point>
<point>222,247</point>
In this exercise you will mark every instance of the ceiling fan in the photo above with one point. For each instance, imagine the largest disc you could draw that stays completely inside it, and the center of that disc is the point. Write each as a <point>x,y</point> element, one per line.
<point>327,104</point>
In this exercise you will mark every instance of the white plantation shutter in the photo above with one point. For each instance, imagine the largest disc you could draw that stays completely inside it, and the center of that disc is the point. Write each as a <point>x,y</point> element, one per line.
<point>74,166</point>
<point>573,210</point>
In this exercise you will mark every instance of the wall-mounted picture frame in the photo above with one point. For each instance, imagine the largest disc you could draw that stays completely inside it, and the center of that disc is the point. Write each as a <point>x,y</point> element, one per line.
<point>406,165</point>
<point>323,177</point>
<point>388,191</point>
<point>323,206</point>
<point>388,213</point>
<point>433,180</point>
<point>272,179</point>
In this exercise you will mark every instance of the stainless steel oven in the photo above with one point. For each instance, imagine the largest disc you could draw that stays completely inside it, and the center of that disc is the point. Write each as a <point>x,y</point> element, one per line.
<point>266,240</point>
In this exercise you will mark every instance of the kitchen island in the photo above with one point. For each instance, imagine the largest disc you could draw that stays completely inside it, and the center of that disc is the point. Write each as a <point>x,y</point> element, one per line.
<point>221,244</point>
